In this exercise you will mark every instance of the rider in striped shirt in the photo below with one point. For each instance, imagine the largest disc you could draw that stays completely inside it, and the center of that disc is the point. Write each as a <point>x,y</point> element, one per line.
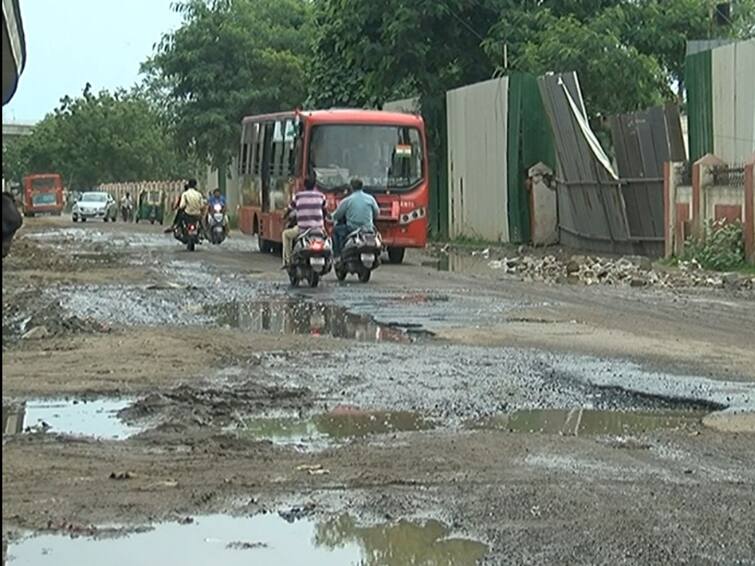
<point>309,207</point>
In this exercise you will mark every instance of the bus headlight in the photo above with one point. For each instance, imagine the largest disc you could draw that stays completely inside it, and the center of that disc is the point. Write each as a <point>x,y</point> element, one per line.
<point>411,216</point>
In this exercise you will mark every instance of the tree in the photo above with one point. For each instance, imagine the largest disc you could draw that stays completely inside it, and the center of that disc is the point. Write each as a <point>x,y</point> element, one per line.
<point>661,28</point>
<point>628,53</point>
<point>615,77</point>
<point>93,139</point>
<point>369,52</point>
<point>230,58</point>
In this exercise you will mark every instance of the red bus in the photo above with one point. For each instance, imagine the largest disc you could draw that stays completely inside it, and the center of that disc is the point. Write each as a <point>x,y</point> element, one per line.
<point>43,194</point>
<point>387,150</point>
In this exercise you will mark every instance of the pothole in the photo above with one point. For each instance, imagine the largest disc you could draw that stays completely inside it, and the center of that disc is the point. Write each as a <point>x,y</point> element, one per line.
<point>460,263</point>
<point>304,317</point>
<point>96,418</point>
<point>576,422</point>
<point>262,539</point>
<point>318,431</point>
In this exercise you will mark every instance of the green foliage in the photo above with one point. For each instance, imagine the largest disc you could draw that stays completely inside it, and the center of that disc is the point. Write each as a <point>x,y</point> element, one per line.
<point>368,52</point>
<point>628,54</point>
<point>230,58</point>
<point>93,139</point>
<point>614,76</point>
<point>661,28</point>
<point>722,248</point>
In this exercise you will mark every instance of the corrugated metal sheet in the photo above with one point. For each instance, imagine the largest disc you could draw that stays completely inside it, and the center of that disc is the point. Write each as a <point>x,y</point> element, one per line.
<point>724,96</point>
<point>592,211</point>
<point>529,141</point>
<point>733,101</point>
<point>643,142</point>
<point>477,130</point>
<point>697,78</point>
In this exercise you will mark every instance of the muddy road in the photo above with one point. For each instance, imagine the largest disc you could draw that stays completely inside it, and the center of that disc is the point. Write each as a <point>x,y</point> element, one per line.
<point>168,407</point>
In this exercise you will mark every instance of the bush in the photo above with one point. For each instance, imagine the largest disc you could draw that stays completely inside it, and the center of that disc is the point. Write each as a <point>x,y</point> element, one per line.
<point>721,249</point>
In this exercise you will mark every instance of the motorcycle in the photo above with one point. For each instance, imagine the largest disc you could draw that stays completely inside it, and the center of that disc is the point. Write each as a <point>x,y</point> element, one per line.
<point>360,254</point>
<point>187,232</point>
<point>311,258</point>
<point>215,228</point>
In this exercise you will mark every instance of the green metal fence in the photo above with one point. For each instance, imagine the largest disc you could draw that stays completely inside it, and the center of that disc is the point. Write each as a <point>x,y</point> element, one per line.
<point>529,141</point>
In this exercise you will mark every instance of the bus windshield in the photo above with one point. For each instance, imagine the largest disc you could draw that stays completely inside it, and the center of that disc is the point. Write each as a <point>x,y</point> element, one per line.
<point>43,199</point>
<point>384,157</point>
<point>43,183</point>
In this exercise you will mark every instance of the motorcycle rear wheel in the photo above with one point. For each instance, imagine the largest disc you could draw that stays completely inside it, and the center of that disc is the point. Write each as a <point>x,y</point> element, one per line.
<point>314,279</point>
<point>364,275</point>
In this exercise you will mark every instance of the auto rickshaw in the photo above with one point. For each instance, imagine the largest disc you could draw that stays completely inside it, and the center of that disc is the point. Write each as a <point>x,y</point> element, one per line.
<point>151,205</point>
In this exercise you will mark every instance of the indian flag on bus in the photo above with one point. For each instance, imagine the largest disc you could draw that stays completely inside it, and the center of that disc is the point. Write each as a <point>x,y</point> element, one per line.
<point>403,150</point>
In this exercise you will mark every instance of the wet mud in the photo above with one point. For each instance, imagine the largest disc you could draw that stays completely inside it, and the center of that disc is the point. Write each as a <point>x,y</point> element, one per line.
<point>230,392</point>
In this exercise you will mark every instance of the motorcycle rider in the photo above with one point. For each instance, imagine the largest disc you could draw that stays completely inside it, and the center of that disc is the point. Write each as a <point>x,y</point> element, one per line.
<point>217,198</point>
<point>190,205</point>
<point>359,210</point>
<point>127,204</point>
<point>309,207</point>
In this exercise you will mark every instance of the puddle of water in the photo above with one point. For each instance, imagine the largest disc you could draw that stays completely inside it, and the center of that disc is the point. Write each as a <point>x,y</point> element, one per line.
<point>577,422</point>
<point>319,431</point>
<point>460,263</point>
<point>96,418</point>
<point>263,539</point>
<point>305,317</point>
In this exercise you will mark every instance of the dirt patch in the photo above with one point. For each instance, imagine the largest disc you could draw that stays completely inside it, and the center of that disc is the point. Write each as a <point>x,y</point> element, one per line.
<point>39,264</point>
<point>132,360</point>
<point>664,351</point>
<point>30,315</point>
<point>27,254</point>
<point>563,267</point>
<point>732,420</point>
<point>189,405</point>
<point>523,485</point>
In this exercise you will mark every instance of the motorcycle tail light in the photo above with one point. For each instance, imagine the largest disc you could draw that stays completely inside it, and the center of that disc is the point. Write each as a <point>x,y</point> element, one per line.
<point>316,245</point>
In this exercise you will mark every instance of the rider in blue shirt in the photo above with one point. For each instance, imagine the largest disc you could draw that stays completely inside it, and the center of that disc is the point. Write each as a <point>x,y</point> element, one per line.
<point>217,198</point>
<point>358,210</point>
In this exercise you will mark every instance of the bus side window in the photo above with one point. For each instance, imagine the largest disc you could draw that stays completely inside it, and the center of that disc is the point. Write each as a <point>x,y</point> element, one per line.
<point>276,160</point>
<point>243,155</point>
<point>289,137</point>
<point>259,148</point>
<point>251,148</point>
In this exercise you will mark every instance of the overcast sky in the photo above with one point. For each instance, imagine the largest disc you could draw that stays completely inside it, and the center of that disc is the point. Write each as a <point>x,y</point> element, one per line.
<point>72,42</point>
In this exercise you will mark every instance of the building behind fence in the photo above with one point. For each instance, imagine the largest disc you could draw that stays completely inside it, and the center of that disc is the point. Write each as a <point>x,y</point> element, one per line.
<point>709,190</point>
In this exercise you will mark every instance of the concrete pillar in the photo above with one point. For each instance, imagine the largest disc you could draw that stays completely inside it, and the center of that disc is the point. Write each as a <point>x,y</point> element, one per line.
<point>669,208</point>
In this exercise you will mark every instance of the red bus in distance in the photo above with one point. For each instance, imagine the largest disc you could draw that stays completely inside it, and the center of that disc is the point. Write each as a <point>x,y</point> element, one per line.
<point>43,194</point>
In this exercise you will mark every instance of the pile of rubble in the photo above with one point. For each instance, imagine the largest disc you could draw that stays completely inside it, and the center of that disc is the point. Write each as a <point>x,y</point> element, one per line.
<point>634,271</point>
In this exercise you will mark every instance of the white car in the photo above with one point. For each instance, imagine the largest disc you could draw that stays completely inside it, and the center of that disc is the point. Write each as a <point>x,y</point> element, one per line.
<point>94,205</point>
